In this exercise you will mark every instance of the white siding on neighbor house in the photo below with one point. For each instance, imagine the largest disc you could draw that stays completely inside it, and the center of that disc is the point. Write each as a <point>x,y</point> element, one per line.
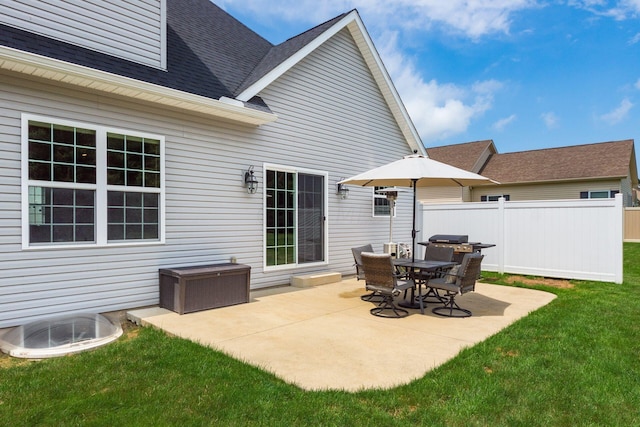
<point>133,30</point>
<point>545,191</point>
<point>331,118</point>
<point>443,194</point>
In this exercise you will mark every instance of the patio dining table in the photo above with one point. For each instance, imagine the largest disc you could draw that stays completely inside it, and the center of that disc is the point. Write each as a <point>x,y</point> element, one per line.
<point>414,267</point>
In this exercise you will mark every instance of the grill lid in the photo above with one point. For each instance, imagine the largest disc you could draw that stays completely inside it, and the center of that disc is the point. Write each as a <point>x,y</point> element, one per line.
<point>449,238</point>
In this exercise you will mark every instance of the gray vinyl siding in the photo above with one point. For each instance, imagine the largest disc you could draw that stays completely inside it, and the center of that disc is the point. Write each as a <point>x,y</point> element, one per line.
<point>331,118</point>
<point>133,30</point>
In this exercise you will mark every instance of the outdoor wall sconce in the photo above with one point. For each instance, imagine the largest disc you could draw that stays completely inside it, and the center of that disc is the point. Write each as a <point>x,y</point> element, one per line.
<point>250,181</point>
<point>341,190</point>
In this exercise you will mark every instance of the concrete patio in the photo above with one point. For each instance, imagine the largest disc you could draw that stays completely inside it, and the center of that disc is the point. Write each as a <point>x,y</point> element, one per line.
<point>323,337</point>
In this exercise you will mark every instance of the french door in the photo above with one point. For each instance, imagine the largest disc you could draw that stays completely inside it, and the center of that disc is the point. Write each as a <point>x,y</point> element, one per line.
<point>295,212</point>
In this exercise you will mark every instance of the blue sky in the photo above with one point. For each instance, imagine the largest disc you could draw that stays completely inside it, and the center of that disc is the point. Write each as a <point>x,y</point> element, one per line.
<point>528,74</point>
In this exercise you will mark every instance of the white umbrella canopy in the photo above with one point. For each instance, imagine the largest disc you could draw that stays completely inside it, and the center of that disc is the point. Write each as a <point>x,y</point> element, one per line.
<point>424,171</point>
<point>414,171</point>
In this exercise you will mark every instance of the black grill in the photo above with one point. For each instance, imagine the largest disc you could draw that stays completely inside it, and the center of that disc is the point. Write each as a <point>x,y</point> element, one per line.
<point>459,243</point>
<point>449,238</point>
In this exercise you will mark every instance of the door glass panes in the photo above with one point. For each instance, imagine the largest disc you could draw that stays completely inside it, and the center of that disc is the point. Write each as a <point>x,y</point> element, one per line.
<point>294,218</point>
<point>310,218</point>
<point>280,217</point>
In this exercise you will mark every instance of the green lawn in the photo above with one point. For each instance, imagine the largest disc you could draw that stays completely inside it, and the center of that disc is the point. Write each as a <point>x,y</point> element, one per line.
<point>575,361</point>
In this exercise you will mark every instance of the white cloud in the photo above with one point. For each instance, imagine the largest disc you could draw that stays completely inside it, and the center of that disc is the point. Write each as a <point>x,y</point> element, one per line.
<point>618,114</point>
<point>635,39</point>
<point>623,9</point>
<point>502,123</point>
<point>438,110</point>
<point>550,119</point>
<point>472,18</point>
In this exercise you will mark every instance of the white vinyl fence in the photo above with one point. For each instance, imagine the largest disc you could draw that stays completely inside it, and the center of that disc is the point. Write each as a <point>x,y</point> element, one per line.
<point>571,239</point>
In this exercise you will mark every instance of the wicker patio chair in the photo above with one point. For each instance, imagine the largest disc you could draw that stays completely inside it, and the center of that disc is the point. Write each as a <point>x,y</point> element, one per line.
<point>457,281</point>
<point>357,257</point>
<point>434,253</point>
<point>381,278</point>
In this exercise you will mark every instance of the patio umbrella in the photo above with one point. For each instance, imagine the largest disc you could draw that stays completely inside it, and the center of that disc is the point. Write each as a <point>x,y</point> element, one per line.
<point>415,171</point>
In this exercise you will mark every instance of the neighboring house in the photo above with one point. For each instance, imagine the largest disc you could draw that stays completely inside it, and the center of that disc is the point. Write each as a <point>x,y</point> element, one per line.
<point>576,172</point>
<point>127,132</point>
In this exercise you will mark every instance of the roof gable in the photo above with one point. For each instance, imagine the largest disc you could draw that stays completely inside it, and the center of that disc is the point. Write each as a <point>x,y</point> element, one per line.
<point>278,54</point>
<point>602,160</point>
<point>467,156</point>
<point>283,57</point>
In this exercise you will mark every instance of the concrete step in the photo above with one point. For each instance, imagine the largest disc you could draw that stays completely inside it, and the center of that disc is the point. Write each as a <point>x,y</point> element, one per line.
<point>315,279</point>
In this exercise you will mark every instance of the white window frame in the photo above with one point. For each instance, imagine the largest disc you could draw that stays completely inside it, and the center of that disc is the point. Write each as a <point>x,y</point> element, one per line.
<point>610,194</point>
<point>290,169</point>
<point>382,197</point>
<point>494,197</point>
<point>100,187</point>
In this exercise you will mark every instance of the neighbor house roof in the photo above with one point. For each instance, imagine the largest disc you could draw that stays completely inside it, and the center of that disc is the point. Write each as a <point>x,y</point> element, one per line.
<point>464,156</point>
<point>602,160</point>
<point>215,64</point>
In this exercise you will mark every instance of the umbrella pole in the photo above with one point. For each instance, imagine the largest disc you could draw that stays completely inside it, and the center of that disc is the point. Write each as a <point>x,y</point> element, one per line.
<point>413,231</point>
<point>392,205</point>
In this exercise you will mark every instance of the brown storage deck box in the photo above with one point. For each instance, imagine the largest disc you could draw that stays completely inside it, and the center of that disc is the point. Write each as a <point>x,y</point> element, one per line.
<point>202,287</point>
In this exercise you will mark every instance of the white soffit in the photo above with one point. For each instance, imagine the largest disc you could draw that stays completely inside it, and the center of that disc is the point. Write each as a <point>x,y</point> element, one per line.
<point>77,75</point>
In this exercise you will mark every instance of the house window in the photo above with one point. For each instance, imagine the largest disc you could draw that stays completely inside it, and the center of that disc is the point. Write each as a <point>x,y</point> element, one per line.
<point>90,185</point>
<point>598,194</point>
<point>494,198</point>
<point>295,217</point>
<point>133,162</point>
<point>381,205</point>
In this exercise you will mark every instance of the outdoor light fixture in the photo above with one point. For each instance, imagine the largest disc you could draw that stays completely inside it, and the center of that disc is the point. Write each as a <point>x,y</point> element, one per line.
<point>341,190</point>
<point>250,181</point>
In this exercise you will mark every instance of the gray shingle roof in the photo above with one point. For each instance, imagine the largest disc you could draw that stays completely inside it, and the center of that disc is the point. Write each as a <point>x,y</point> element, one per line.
<point>615,159</point>
<point>209,53</point>
<point>278,54</point>
<point>590,161</point>
<point>214,40</point>
<point>463,156</point>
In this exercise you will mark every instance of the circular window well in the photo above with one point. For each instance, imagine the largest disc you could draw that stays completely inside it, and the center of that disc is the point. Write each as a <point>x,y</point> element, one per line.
<point>59,336</point>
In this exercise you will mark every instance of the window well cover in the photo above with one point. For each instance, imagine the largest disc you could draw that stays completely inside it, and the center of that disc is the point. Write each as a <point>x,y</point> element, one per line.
<point>59,336</point>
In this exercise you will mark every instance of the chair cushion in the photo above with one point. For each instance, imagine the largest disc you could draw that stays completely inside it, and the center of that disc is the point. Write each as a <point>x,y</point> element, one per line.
<point>451,276</point>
